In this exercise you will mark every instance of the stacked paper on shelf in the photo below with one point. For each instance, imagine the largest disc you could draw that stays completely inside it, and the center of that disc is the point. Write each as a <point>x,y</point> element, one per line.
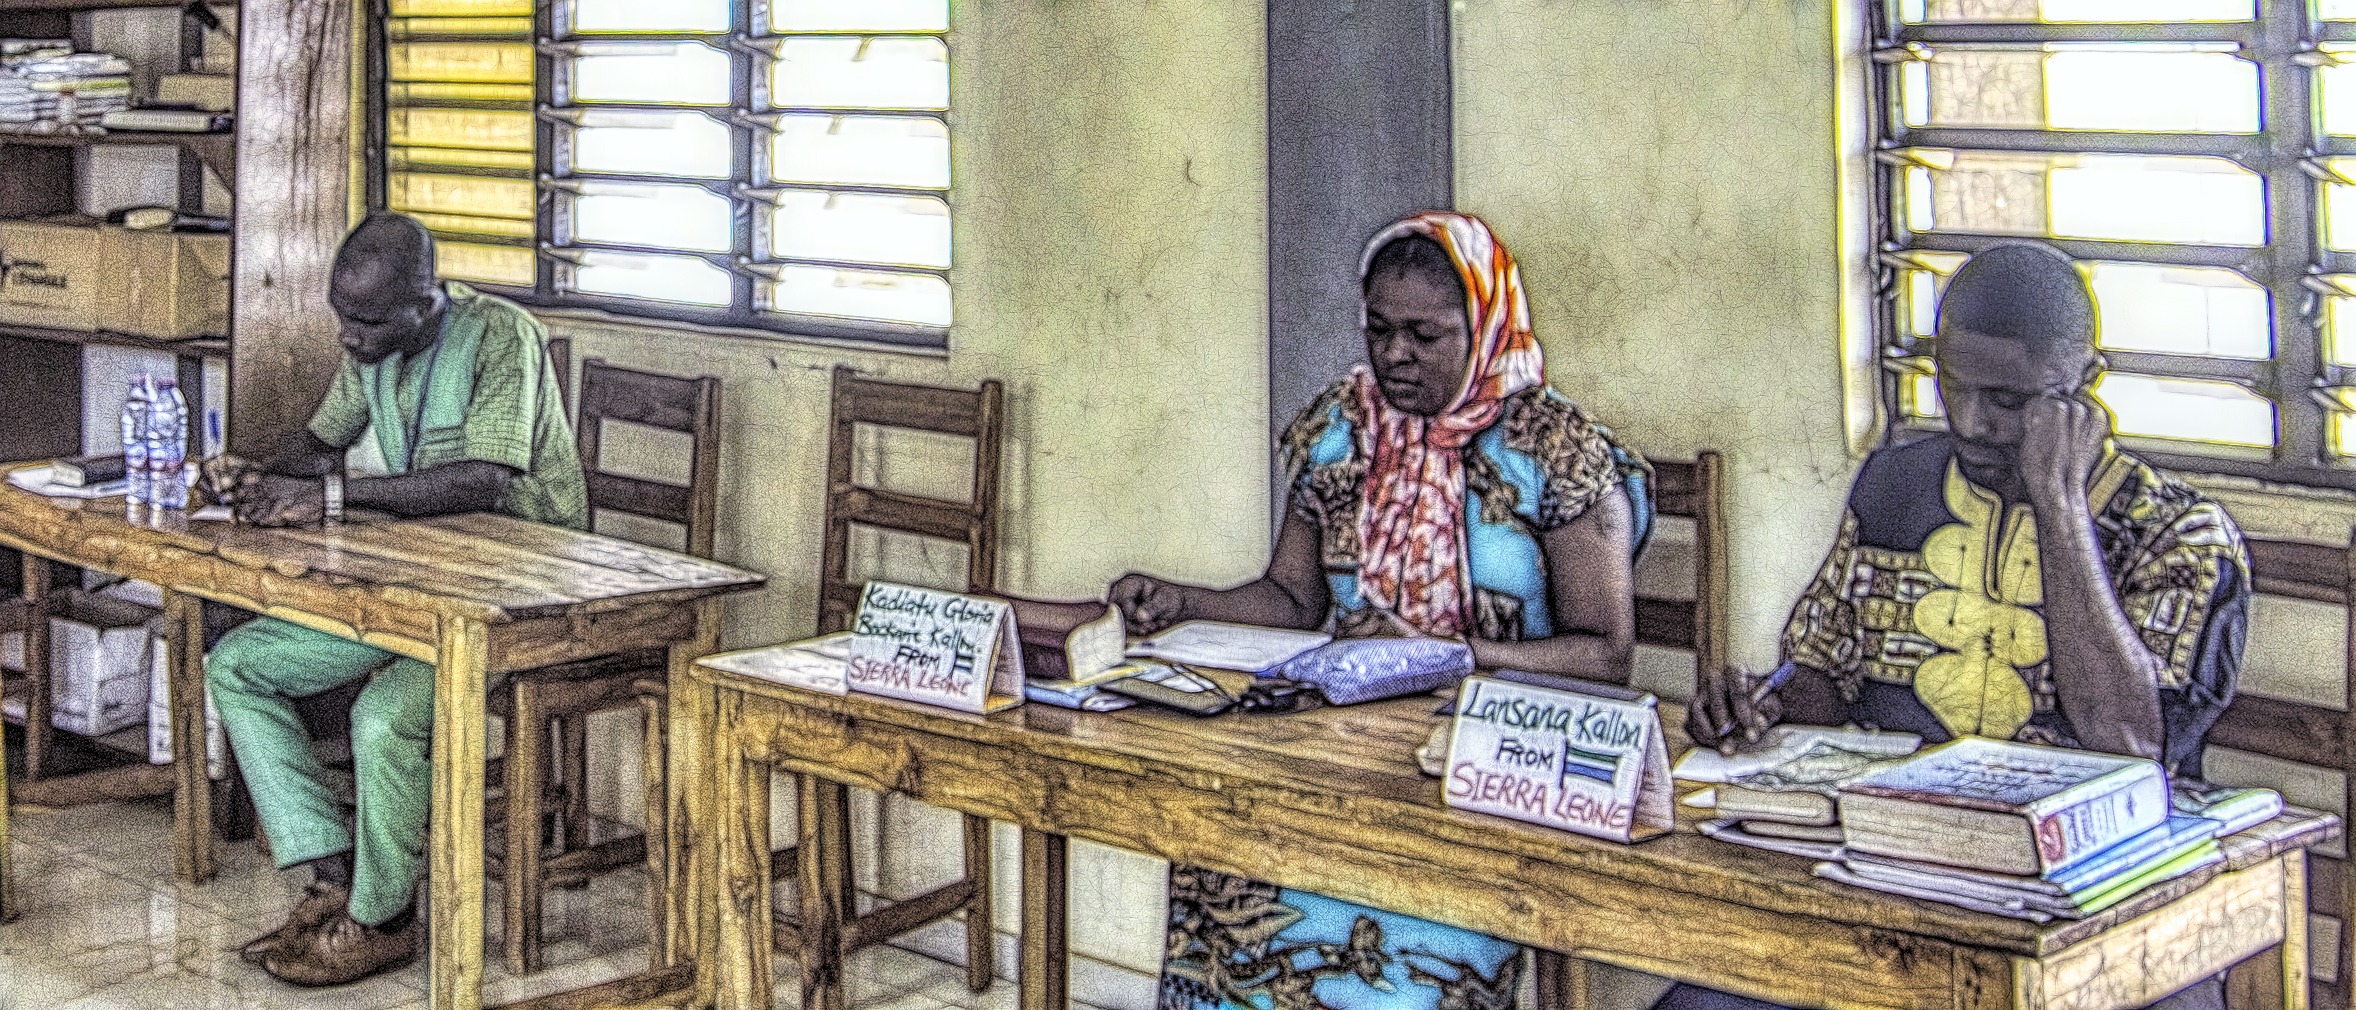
<point>44,86</point>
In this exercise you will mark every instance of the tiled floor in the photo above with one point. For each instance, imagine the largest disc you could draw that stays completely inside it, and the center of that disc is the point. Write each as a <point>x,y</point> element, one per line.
<point>107,928</point>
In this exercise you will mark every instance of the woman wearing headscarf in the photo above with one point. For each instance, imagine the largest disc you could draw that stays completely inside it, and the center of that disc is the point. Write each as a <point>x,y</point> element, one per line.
<point>1441,490</point>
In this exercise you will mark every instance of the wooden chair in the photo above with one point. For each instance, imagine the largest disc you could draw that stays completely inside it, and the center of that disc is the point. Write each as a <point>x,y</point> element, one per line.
<point>974,523</point>
<point>1683,490</point>
<point>2308,734</point>
<point>557,701</point>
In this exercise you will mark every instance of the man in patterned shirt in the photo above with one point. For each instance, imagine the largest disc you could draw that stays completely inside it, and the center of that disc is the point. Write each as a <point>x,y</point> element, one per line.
<point>2017,577</point>
<point>462,400</point>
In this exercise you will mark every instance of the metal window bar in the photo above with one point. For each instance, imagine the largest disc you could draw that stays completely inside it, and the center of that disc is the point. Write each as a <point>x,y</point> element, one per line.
<point>748,263</point>
<point>2278,41</point>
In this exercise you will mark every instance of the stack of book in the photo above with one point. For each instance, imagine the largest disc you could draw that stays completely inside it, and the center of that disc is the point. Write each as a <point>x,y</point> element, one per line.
<point>2032,832</point>
<point>1781,796</point>
<point>47,88</point>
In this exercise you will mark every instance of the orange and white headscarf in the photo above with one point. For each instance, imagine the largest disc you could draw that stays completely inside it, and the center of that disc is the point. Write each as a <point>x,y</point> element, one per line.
<point>1413,560</point>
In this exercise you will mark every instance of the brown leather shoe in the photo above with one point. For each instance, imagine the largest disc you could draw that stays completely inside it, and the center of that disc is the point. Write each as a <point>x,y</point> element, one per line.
<point>344,951</point>
<point>321,901</point>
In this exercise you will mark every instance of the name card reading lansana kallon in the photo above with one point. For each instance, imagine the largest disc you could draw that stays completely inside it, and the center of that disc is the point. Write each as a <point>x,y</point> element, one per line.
<point>1565,759</point>
<point>938,648</point>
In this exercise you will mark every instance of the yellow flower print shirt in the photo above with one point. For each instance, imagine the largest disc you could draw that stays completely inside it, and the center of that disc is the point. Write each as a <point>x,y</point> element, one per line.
<point>1927,614</point>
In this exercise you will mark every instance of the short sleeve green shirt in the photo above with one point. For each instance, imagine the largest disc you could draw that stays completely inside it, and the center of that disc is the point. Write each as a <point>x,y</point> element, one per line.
<point>515,417</point>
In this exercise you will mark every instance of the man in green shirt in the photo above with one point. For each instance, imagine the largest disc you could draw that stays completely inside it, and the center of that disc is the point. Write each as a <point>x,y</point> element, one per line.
<point>462,401</point>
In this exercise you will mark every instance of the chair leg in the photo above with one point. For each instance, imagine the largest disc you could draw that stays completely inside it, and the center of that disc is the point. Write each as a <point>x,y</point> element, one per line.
<point>572,760</point>
<point>654,756</point>
<point>980,952</point>
<point>526,735</point>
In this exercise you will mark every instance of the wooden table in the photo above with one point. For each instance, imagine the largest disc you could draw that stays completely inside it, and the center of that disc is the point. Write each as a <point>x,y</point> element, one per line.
<point>1330,801</point>
<point>472,594</point>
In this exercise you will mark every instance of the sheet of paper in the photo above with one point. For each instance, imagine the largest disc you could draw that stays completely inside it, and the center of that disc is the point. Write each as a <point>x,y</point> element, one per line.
<point>1222,646</point>
<point>795,664</point>
<point>1784,743</point>
<point>1093,651</point>
<point>214,514</point>
<point>37,479</point>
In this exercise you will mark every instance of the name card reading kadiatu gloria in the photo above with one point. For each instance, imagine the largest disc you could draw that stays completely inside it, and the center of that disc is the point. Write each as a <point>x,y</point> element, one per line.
<point>1588,763</point>
<point>938,648</point>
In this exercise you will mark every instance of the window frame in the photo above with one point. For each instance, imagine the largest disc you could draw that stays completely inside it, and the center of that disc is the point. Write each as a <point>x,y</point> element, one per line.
<point>745,43</point>
<point>2288,266</point>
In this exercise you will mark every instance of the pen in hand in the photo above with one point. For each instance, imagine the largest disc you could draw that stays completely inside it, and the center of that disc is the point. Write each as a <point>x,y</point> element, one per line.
<point>1755,690</point>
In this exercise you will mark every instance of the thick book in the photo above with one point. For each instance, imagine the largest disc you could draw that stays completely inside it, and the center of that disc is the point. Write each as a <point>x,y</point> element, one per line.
<point>87,471</point>
<point>1829,834</point>
<point>1800,789</point>
<point>2084,877</point>
<point>2002,807</point>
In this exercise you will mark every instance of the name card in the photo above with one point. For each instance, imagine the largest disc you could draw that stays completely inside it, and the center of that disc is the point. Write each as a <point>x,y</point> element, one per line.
<point>1581,762</point>
<point>938,648</point>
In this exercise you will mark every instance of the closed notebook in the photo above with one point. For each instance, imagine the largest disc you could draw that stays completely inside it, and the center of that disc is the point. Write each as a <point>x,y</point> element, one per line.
<point>87,471</point>
<point>2003,807</point>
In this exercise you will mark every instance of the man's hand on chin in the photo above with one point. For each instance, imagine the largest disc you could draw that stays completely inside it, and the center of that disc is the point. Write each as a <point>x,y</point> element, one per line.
<point>2061,443</point>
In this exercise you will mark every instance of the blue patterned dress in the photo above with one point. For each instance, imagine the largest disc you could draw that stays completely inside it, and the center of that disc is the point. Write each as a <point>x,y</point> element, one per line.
<point>1247,945</point>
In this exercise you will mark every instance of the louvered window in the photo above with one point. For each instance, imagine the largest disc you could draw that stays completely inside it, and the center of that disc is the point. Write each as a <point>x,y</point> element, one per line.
<point>777,164</point>
<point>2189,154</point>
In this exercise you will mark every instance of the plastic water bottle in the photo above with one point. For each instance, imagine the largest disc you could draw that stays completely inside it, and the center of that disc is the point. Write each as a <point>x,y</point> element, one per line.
<point>167,446</point>
<point>137,405</point>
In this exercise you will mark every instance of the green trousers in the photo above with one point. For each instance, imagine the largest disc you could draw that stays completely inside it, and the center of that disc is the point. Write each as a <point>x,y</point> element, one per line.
<point>256,673</point>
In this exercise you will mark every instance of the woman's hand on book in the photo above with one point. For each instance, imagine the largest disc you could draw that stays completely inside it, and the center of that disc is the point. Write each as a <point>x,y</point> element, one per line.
<point>1147,604</point>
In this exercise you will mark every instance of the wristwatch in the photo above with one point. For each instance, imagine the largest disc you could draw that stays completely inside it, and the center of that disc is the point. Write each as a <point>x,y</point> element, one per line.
<point>332,492</point>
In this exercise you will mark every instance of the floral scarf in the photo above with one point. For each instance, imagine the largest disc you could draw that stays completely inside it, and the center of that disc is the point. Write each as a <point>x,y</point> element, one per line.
<point>1414,563</point>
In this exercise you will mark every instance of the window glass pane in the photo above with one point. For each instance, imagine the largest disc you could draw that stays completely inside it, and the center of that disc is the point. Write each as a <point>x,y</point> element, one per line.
<point>672,217</point>
<point>474,128</point>
<point>2336,10</point>
<point>683,279</point>
<point>860,16</point>
<point>469,62</point>
<point>402,92</point>
<point>2339,330</point>
<point>490,264</point>
<point>2088,196</point>
<point>2193,410</point>
<point>908,151</point>
<point>2335,92</point>
<point>467,195</point>
<point>2116,11</point>
<point>2146,307</point>
<point>460,8</point>
<point>921,299</point>
<point>2182,310</point>
<point>2339,211</point>
<point>909,72</point>
<point>643,16</point>
<point>861,228</point>
<point>681,73</point>
<point>2155,88</point>
<point>403,29</point>
<point>686,144</point>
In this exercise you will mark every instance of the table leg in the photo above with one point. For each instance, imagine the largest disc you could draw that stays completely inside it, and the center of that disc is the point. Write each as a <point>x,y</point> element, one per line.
<point>8,906</point>
<point>1562,980</point>
<point>687,869</point>
<point>36,656</point>
<point>1046,959</point>
<point>825,856</point>
<point>2294,931</point>
<point>192,796</point>
<point>455,850</point>
<point>738,960</point>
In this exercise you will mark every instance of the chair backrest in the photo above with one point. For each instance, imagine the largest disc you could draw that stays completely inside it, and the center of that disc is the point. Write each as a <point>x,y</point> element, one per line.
<point>1691,490</point>
<point>2306,733</point>
<point>560,357</point>
<point>975,414</point>
<point>688,406</point>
